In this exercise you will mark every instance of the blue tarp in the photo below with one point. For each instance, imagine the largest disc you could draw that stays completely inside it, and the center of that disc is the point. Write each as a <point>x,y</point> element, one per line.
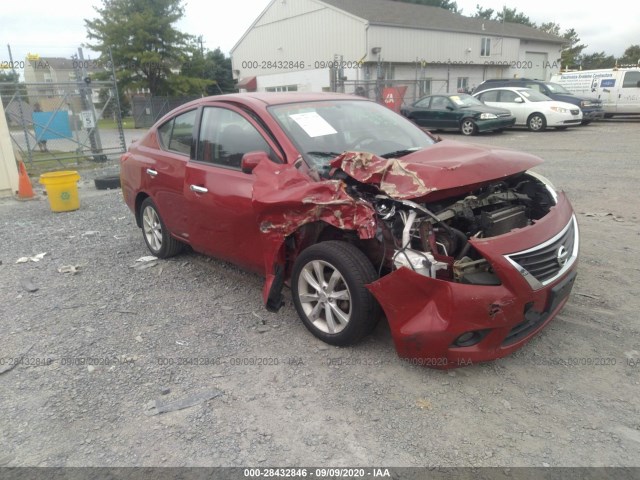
<point>51,125</point>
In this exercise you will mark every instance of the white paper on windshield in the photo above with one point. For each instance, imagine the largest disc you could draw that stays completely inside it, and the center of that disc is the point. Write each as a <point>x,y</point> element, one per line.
<point>456,100</point>
<point>313,124</point>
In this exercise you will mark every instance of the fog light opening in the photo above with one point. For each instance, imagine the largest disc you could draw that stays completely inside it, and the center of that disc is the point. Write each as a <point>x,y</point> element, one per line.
<point>469,339</point>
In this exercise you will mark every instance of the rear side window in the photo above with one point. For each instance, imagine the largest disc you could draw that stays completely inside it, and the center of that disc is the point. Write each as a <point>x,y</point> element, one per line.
<point>491,96</point>
<point>226,136</point>
<point>176,134</point>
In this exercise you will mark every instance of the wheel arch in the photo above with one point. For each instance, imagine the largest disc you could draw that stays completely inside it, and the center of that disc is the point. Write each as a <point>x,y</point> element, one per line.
<point>317,232</point>
<point>141,197</point>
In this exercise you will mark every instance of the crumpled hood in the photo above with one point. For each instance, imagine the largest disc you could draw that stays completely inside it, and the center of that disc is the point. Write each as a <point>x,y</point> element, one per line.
<point>442,166</point>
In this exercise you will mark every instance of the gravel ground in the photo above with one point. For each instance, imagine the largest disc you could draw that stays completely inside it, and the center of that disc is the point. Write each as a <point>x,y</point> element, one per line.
<point>104,349</point>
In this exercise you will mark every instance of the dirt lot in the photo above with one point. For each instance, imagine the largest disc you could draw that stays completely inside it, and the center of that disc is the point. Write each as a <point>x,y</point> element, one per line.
<point>96,347</point>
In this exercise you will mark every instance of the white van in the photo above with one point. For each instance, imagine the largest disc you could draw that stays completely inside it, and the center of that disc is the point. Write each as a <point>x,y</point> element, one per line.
<point>617,88</point>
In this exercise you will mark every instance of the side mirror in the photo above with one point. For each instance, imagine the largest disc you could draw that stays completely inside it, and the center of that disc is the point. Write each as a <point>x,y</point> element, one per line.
<point>518,100</point>
<point>250,160</point>
<point>450,108</point>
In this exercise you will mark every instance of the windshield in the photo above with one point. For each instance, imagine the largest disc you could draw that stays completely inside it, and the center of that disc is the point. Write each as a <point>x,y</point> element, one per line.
<point>464,100</point>
<point>325,129</point>
<point>533,96</point>
<point>556,88</point>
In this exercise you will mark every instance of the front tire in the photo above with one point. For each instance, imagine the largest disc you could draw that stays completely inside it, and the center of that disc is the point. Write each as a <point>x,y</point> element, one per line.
<point>158,239</point>
<point>328,286</point>
<point>468,127</point>
<point>536,122</point>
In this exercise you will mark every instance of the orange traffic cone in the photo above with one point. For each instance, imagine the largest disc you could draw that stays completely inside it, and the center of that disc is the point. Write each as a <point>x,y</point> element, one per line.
<point>25,190</point>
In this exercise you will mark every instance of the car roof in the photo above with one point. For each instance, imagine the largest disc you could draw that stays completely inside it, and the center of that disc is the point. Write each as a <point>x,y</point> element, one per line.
<point>514,89</point>
<point>514,80</point>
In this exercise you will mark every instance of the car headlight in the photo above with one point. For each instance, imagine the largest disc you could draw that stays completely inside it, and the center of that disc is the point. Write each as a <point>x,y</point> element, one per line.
<point>586,103</point>
<point>487,116</point>
<point>560,109</point>
<point>547,183</point>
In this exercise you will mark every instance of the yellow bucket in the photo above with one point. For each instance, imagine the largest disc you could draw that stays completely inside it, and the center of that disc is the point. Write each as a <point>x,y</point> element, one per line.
<point>62,190</point>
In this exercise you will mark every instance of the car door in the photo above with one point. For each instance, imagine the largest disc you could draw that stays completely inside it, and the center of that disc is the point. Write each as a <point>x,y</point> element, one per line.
<point>517,105</point>
<point>628,100</point>
<point>221,218</point>
<point>420,112</point>
<point>443,113</point>
<point>162,170</point>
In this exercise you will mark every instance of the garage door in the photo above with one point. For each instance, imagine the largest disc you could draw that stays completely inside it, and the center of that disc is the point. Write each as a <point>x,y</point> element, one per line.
<point>536,65</point>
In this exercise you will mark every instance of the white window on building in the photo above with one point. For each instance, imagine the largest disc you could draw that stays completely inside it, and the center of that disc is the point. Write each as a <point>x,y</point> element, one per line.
<point>284,88</point>
<point>485,47</point>
<point>463,84</point>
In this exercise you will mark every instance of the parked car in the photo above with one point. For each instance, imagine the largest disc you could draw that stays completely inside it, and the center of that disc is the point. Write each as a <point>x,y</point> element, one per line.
<point>591,107</point>
<point>458,111</point>
<point>468,253</point>
<point>532,109</point>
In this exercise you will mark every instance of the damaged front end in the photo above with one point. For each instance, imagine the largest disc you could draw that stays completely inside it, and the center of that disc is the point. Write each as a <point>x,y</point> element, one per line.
<point>471,276</point>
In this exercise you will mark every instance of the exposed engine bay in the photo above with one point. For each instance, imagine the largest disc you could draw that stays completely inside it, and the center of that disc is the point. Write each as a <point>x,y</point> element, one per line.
<point>433,238</point>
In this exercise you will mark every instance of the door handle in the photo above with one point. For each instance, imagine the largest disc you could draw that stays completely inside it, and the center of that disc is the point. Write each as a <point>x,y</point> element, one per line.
<point>151,172</point>
<point>197,189</point>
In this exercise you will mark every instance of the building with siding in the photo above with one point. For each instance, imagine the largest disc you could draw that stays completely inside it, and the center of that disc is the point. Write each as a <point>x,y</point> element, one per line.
<point>360,46</point>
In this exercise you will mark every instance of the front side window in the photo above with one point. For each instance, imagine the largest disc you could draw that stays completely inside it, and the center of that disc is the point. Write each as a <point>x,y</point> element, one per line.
<point>225,136</point>
<point>507,96</point>
<point>440,103</point>
<point>176,134</point>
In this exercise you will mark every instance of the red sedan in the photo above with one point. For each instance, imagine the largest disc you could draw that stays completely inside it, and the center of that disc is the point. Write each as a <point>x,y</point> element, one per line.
<point>467,252</point>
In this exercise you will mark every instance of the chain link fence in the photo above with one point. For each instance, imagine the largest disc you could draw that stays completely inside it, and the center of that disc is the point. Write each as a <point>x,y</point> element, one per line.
<point>61,124</point>
<point>146,110</point>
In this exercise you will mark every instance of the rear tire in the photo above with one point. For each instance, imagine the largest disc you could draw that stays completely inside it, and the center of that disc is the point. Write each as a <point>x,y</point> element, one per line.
<point>158,239</point>
<point>328,286</point>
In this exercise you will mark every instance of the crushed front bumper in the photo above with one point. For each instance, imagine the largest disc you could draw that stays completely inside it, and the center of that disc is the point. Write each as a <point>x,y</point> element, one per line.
<point>443,324</point>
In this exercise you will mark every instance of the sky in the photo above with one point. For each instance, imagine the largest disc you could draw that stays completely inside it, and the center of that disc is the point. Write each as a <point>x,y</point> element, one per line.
<point>56,27</point>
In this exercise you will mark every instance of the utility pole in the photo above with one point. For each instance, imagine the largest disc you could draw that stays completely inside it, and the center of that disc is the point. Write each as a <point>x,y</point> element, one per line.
<point>84,83</point>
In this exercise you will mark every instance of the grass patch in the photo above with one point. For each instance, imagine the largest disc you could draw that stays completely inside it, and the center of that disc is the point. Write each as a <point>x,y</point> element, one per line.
<point>43,162</point>
<point>127,123</point>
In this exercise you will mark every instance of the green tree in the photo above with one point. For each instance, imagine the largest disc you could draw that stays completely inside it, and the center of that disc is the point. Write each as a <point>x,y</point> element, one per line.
<point>631,56</point>
<point>509,15</point>
<point>597,60</point>
<point>9,87</point>
<point>147,49</point>
<point>572,50</point>
<point>212,69</point>
<point>446,4</point>
<point>550,27</point>
<point>486,13</point>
